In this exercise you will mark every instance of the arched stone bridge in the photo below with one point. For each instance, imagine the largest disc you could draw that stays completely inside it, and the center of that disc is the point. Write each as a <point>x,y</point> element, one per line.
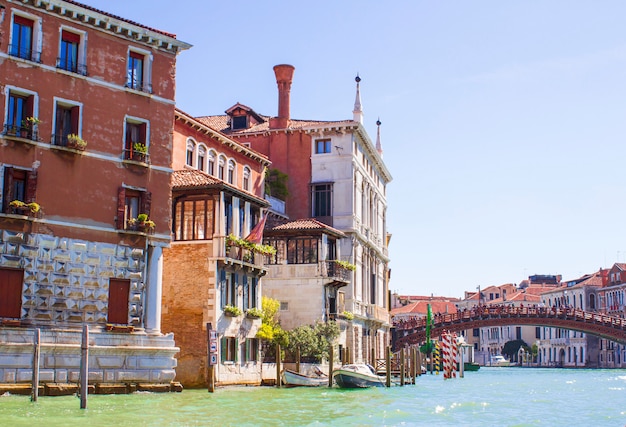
<point>413,332</point>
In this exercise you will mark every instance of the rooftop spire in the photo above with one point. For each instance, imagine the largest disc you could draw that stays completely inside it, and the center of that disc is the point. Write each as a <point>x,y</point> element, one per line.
<point>357,113</point>
<point>379,146</point>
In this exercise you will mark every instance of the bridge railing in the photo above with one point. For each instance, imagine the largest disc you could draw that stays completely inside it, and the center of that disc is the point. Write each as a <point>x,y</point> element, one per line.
<point>488,312</point>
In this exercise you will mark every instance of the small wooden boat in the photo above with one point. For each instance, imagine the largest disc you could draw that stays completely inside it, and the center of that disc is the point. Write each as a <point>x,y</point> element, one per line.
<point>357,375</point>
<point>294,379</point>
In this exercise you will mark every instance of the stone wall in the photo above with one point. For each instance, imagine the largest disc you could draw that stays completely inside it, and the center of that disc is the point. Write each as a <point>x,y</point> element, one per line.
<point>66,281</point>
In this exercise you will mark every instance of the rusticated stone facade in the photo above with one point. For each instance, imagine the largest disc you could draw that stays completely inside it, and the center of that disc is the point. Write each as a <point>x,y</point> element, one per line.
<point>67,280</point>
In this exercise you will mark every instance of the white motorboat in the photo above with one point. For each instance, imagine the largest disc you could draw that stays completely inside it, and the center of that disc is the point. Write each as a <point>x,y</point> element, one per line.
<point>357,375</point>
<point>499,360</point>
<point>294,379</point>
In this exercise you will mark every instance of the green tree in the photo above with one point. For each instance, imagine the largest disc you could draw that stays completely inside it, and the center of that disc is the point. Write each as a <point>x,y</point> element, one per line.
<point>511,348</point>
<point>270,329</point>
<point>313,340</point>
<point>276,183</point>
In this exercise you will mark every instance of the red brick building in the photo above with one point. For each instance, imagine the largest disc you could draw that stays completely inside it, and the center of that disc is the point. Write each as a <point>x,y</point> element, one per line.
<point>87,104</point>
<point>217,191</point>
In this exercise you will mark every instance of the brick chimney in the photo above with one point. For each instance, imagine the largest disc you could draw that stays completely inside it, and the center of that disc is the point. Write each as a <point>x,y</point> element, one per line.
<point>284,76</point>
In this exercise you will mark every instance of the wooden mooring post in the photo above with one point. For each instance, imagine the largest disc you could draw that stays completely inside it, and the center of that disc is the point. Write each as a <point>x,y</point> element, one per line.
<point>36,352</point>
<point>331,357</point>
<point>298,360</point>
<point>412,363</point>
<point>278,365</point>
<point>402,361</point>
<point>84,367</point>
<point>388,365</point>
<point>419,361</point>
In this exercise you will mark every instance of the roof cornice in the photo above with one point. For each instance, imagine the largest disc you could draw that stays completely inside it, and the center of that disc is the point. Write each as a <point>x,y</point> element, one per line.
<point>220,137</point>
<point>117,26</point>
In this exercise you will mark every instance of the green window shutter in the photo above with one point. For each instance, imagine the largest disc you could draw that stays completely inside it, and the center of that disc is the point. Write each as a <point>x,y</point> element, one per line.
<point>248,350</point>
<point>237,350</point>
<point>223,349</point>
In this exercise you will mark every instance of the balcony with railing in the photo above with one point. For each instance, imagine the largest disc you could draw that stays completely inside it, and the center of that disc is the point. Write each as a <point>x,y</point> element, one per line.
<point>71,66</point>
<point>22,132</point>
<point>24,52</point>
<point>231,253</point>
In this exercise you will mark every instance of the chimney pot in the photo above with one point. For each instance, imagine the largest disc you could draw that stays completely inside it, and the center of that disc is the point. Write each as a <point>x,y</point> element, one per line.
<point>284,77</point>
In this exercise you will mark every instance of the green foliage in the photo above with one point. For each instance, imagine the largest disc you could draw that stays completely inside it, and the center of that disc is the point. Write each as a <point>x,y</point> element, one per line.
<point>254,312</point>
<point>140,147</point>
<point>313,340</point>
<point>276,183</point>
<point>233,310</point>
<point>345,264</point>
<point>348,315</point>
<point>511,348</point>
<point>270,329</point>
<point>232,240</point>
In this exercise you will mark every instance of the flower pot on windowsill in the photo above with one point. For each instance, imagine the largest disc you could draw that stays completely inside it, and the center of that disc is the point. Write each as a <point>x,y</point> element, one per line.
<point>254,313</point>
<point>231,311</point>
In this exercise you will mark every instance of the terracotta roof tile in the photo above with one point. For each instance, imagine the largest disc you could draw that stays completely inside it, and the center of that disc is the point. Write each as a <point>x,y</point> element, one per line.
<point>187,179</point>
<point>221,123</point>
<point>306,224</point>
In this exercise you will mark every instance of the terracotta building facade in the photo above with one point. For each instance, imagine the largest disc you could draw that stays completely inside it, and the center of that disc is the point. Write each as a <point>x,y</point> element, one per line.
<point>87,106</point>
<point>217,193</point>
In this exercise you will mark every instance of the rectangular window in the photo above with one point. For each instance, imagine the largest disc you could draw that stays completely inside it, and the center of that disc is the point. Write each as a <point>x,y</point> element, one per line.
<point>229,349</point>
<point>240,122</point>
<point>193,219</point>
<point>68,57</point>
<point>302,251</point>
<point>284,306</point>
<point>131,203</point>
<point>475,332</point>
<point>138,71</point>
<point>136,141</point>
<point>11,293</point>
<point>322,146</point>
<point>252,350</point>
<point>22,38</point>
<point>118,301</point>
<point>19,184</point>
<point>322,200</point>
<point>538,332</point>
<point>66,122</point>
<point>20,108</point>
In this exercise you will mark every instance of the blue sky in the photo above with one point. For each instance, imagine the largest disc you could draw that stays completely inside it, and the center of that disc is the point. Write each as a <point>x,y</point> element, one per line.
<point>503,122</point>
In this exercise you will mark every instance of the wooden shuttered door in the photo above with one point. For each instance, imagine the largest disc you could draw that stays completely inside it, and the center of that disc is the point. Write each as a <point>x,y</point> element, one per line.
<point>121,207</point>
<point>118,301</point>
<point>11,293</point>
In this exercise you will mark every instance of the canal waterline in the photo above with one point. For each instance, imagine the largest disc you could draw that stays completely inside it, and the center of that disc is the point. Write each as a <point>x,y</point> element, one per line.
<point>491,396</point>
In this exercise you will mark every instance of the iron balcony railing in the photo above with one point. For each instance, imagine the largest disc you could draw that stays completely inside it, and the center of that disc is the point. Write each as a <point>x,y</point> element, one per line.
<point>335,270</point>
<point>140,86</point>
<point>136,156</point>
<point>20,132</point>
<point>25,53</point>
<point>74,67</point>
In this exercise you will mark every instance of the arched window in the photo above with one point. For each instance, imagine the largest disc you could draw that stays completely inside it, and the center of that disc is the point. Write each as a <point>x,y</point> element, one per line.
<point>221,165</point>
<point>191,148</point>
<point>231,171</point>
<point>211,162</point>
<point>246,179</point>
<point>201,158</point>
<point>592,302</point>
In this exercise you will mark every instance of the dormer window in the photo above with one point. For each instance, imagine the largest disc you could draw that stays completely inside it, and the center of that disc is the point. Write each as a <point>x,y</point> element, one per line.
<point>239,122</point>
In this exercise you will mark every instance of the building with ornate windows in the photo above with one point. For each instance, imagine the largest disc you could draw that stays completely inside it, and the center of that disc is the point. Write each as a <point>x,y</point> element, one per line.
<point>337,176</point>
<point>211,279</point>
<point>87,106</point>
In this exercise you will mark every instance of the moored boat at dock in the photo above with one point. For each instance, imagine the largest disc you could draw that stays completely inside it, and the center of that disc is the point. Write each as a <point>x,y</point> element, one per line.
<point>295,379</point>
<point>357,375</point>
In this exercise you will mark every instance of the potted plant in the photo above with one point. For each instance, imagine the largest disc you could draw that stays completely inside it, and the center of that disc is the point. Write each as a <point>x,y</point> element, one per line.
<point>28,126</point>
<point>254,313</point>
<point>231,311</point>
<point>345,264</point>
<point>347,315</point>
<point>19,206</point>
<point>141,223</point>
<point>140,150</point>
<point>76,142</point>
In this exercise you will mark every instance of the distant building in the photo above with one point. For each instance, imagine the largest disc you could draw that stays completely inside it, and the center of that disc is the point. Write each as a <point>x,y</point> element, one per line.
<point>87,103</point>
<point>611,301</point>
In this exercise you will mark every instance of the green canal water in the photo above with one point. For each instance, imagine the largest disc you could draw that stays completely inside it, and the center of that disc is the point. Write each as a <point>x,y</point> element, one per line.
<point>489,397</point>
